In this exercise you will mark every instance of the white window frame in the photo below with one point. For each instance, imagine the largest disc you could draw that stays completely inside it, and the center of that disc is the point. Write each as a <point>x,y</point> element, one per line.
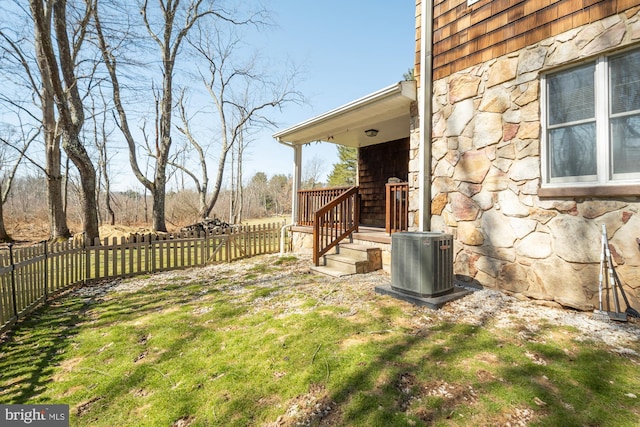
<point>604,175</point>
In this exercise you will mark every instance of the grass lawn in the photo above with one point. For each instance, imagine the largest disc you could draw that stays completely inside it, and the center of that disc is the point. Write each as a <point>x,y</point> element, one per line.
<point>264,342</point>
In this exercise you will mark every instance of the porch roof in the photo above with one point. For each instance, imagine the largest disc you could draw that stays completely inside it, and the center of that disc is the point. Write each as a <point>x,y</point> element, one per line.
<point>387,110</point>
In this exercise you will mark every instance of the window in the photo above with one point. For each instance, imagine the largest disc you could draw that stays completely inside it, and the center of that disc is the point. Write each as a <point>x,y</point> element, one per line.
<point>591,123</point>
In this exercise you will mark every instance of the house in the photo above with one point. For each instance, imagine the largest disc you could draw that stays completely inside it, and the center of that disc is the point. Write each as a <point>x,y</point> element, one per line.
<point>532,108</point>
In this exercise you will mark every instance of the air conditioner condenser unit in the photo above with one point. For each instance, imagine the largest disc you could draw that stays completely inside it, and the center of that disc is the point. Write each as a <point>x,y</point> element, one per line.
<point>422,263</point>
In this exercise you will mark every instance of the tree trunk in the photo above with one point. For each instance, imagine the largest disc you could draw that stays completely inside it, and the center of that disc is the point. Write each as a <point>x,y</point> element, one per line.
<point>4,236</point>
<point>58,229</point>
<point>80,158</point>
<point>58,71</point>
<point>158,207</point>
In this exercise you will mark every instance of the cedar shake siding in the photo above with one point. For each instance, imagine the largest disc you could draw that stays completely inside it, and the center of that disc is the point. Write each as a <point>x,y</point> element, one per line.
<point>464,36</point>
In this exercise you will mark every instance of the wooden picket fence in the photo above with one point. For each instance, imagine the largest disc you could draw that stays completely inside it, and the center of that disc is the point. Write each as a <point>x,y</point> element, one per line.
<point>29,276</point>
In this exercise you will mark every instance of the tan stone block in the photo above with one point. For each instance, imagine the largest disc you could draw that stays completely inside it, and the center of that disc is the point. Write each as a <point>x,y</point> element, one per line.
<point>529,130</point>
<point>531,60</point>
<point>469,234</point>
<point>506,151</point>
<point>462,113</point>
<point>505,254</point>
<point>497,229</point>
<point>472,167</point>
<point>488,129</point>
<point>625,243</point>
<point>541,215</point>
<point>469,189</point>
<point>609,39</point>
<point>531,112</point>
<point>588,34</point>
<point>572,285</point>
<point>593,209</point>
<point>535,245</point>
<point>502,70</point>
<point>438,203</point>
<point>575,239</point>
<point>529,95</point>
<point>486,280</point>
<point>529,148</point>
<point>463,208</point>
<point>438,127</point>
<point>495,100</point>
<point>513,277</point>
<point>525,169</point>
<point>443,185</point>
<point>463,86</point>
<point>496,180</point>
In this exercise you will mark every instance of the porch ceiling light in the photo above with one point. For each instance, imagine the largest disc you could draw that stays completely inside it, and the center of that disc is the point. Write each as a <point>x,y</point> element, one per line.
<point>371,132</point>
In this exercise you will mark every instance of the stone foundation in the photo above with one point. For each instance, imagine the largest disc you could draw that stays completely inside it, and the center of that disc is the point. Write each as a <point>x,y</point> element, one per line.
<point>486,176</point>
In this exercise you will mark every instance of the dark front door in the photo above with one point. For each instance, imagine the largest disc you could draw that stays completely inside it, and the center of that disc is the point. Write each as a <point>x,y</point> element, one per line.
<point>376,164</point>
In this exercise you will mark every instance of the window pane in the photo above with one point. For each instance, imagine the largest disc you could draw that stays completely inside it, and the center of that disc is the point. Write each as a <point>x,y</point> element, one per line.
<point>625,144</point>
<point>571,95</point>
<point>573,151</point>
<point>625,82</point>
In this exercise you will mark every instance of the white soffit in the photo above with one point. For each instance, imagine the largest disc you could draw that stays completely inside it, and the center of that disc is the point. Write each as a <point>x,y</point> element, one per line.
<point>387,110</point>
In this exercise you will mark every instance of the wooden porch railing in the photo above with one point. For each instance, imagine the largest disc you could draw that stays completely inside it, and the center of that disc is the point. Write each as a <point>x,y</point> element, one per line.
<point>397,207</point>
<point>334,221</point>
<point>310,201</point>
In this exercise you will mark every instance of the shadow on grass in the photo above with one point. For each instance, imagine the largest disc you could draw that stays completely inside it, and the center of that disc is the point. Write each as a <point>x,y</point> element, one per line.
<point>30,351</point>
<point>524,381</point>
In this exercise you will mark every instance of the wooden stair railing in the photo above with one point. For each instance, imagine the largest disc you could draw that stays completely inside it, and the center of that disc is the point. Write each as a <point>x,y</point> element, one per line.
<point>309,201</point>
<point>397,207</point>
<point>335,221</point>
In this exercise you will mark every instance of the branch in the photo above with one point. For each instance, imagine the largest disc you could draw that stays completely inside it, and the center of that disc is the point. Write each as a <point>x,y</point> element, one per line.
<point>123,123</point>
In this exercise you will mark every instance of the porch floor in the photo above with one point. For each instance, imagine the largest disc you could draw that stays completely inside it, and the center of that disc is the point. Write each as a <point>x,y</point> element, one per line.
<point>366,234</point>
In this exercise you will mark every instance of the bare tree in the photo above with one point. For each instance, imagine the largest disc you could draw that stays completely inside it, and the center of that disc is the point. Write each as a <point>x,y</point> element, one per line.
<point>168,36</point>
<point>15,48</point>
<point>57,56</point>
<point>313,170</point>
<point>101,135</point>
<point>8,168</point>
<point>241,97</point>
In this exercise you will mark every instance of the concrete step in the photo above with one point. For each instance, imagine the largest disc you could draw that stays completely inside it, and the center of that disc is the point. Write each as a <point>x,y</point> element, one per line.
<point>355,251</point>
<point>328,271</point>
<point>346,264</point>
<point>371,254</point>
<point>350,259</point>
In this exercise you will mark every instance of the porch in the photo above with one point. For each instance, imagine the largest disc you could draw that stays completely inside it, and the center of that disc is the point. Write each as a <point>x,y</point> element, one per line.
<point>330,216</point>
<point>380,127</point>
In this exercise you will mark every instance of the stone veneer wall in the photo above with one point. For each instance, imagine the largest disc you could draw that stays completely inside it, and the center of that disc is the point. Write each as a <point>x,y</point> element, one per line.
<point>486,175</point>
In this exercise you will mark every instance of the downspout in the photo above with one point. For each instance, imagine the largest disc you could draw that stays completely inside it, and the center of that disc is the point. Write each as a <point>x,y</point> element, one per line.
<point>425,112</point>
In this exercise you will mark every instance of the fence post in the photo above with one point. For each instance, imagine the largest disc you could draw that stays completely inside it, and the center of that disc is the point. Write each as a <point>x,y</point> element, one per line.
<point>87,261</point>
<point>46,272</point>
<point>13,280</point>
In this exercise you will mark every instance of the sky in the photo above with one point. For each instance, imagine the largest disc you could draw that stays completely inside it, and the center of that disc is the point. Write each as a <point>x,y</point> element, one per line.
<point>344,50</point>
<point>347,49</point>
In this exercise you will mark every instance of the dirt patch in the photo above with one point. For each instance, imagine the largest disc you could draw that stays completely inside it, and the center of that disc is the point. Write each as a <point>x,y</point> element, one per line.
<point>84,408</point>
<point>184,421</point>
<point>313,408</point>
